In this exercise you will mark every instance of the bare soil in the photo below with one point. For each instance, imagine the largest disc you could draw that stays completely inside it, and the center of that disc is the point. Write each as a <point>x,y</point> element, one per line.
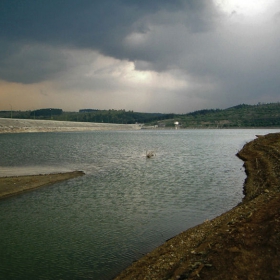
<point>18,184</point>
<point>243,243</point>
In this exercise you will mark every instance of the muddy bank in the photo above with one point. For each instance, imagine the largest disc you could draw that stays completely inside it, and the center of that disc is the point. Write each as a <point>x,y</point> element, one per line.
<point>18,184</point>
<point>243,243</point>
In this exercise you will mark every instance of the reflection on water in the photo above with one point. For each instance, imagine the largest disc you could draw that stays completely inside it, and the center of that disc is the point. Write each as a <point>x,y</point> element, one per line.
<point>93,226</point>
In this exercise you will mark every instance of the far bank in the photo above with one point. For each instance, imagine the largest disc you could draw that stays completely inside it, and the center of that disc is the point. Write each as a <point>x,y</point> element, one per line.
<point>29,125</point>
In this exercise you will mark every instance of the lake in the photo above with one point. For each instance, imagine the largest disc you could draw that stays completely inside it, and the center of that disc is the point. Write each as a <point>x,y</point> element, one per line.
<point>94,226</point>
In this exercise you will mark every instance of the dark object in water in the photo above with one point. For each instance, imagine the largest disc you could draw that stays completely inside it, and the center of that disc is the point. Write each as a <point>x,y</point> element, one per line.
<point>150,154</point>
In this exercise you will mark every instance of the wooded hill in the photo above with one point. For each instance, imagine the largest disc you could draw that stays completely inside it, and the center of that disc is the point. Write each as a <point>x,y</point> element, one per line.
<point>88,115</point>
<point>261,115</point>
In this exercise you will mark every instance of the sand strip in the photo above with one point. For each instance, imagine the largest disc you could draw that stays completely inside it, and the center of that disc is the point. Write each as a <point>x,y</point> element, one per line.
<point>29,125</point>
<point>18,184</point>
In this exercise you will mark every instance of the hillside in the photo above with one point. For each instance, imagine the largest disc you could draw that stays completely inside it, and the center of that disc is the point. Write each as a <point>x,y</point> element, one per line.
<point>261,115</point>
<point>87,115</point>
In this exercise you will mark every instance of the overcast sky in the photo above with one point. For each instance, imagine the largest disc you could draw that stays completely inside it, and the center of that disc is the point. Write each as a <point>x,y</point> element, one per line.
<point>148,56</point>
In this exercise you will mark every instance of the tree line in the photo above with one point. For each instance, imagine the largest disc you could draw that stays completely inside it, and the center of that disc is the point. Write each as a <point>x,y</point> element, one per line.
<point>243,115</point>
<point>88,115</point>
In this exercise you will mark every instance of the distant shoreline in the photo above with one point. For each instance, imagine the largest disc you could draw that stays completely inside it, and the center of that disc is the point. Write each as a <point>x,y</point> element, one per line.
<point>8,125</point>
<point>210,128</point>
<point>29,125</point>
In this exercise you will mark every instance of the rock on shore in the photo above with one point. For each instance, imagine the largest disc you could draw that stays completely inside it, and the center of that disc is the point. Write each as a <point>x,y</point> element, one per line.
<point>243,243</point>
<point>29,125</point>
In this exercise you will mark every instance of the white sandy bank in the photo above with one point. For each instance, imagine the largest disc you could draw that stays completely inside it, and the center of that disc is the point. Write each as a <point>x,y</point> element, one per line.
<point>29,125</point>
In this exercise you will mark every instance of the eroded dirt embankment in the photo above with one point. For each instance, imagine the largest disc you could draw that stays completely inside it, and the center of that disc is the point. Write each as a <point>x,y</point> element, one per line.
<point>243,243</point>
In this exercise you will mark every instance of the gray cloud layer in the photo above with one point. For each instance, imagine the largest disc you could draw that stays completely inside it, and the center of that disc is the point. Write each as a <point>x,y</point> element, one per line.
<point>98,25</point>
<point>229,57</point>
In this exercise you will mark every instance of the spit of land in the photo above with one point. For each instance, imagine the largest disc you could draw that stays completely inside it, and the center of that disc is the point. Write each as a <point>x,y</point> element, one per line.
<point>18,184</point>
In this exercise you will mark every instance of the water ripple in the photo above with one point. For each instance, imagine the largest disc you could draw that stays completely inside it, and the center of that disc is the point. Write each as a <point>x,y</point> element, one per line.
<point>93,226</point>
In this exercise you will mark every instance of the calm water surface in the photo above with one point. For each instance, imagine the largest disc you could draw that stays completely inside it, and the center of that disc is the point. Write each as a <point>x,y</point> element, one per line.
<point>93,226</point>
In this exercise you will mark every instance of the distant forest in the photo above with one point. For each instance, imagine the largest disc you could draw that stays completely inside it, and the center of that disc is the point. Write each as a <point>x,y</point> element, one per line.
<point>260,115</point>
<point>243,115</point>
<point>88,115</point>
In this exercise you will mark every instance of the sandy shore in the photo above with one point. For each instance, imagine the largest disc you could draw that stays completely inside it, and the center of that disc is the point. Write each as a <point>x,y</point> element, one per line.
<point>18,184</point>
<point>29,125</point>
<point>243,243</point>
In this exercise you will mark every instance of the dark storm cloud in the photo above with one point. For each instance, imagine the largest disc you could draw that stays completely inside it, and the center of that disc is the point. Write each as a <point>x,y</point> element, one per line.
<point>30,63</point>
<point>205,56</point>
<point>91,24</point>
<point>97,25</point>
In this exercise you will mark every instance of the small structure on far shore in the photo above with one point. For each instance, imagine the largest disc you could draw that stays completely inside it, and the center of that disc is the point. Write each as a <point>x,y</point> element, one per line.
<point>176,125</point>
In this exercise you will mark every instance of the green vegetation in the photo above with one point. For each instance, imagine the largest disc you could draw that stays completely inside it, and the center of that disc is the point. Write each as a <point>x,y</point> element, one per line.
<point>261,115</point>
<point>88,115</point>
<point>49,112</point>
<point>114,116</point>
